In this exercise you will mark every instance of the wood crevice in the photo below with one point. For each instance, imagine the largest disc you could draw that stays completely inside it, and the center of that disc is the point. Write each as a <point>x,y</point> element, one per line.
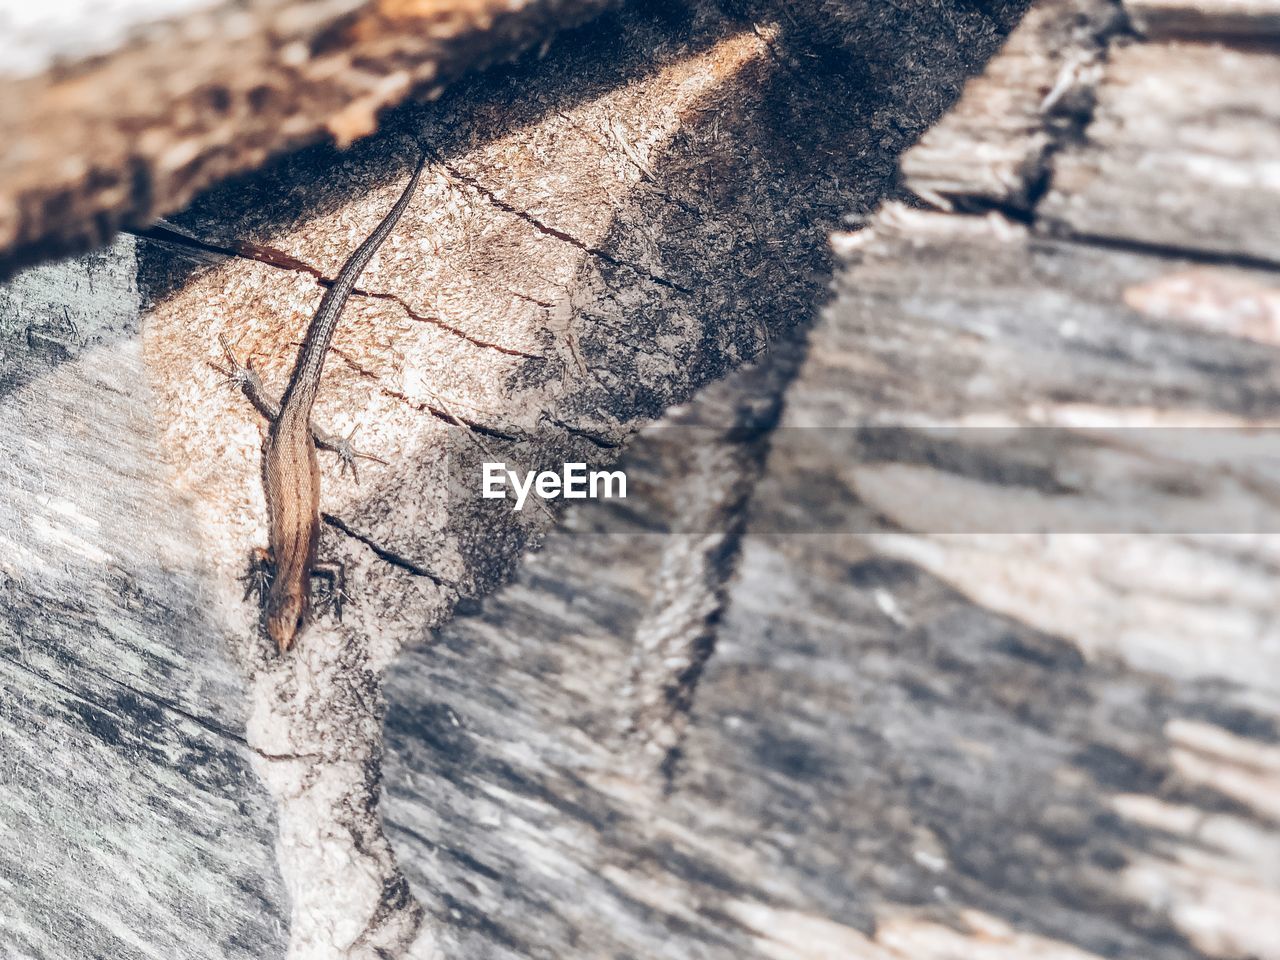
<point>438,412</point>
<point>386,554</point>
<point>563,236</point>
<point>1169,251</point>
<point>161,702</point>
<point>270,256</point>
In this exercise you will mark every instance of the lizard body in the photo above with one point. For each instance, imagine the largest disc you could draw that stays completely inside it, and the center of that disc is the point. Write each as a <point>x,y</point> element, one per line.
<point>291,474</point>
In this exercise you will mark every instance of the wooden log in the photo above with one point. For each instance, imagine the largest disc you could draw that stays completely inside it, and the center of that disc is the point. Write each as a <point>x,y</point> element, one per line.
<point>598,235</point>
<point>112,121</point>
<point>677,733</point>
<point>935,719</point>
<point>902,741</point>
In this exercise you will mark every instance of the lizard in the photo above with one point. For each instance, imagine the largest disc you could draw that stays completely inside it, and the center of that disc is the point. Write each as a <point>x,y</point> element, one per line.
<point>291,475</point>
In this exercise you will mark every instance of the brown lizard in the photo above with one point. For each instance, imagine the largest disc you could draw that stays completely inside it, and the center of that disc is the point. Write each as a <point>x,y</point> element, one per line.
<point>291,475</point>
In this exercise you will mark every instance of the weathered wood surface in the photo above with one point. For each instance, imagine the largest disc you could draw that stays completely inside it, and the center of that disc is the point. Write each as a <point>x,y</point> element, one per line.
<point>993,148</point>
<point>122,717</point>
<point>1239,20</point>
<point>113,118</point>
<point>940,723</point>
<point>600,233</point>
<point>1176,155</point>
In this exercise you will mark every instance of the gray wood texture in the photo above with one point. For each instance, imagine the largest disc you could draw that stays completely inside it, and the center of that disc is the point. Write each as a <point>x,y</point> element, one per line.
<point>601,232</point>
<point>1178,153</point>
<point>939,695</point>
<point>820,689</point>
<point>122,719</point>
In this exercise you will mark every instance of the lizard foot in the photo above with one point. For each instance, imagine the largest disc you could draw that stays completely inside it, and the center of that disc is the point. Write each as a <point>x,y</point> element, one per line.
<point>335,595</point>
<point>347,453</point>
<point>242,376</point>
<point>257,579</point>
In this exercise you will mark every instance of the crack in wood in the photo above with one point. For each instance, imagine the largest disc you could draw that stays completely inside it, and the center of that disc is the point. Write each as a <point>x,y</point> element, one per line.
<point>272,257</point>
<point>439,413</point>
<point>545,304</point>
<point>203,722</point>
<point>628,153</point>
<point>283,757</point>
<point>595,439</point>
<point>383,553</point>
<point>437,322</point>
<point>561,235</point>
<point>1170,251</point>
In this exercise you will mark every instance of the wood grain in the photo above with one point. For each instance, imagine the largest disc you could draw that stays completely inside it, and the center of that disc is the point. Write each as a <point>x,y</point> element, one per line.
<point>1236,20</point>
<point>993,148</point>
<point>123,719</point>
<point>599,234</point>
<point>1176,154</point>
<point>942,708</point>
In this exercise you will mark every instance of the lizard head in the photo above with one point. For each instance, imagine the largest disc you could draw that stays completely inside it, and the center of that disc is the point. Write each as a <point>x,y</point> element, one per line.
<point>285,619</point>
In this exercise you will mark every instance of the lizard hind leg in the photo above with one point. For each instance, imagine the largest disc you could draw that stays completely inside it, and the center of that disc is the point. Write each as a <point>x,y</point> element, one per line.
<point>335,595</point>
<point>242,376</point>
<point>257,578</point>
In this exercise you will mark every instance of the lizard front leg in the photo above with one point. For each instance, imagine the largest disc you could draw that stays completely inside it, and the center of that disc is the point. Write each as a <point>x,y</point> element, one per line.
<point>257,579</point>
<point>247,381</point>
